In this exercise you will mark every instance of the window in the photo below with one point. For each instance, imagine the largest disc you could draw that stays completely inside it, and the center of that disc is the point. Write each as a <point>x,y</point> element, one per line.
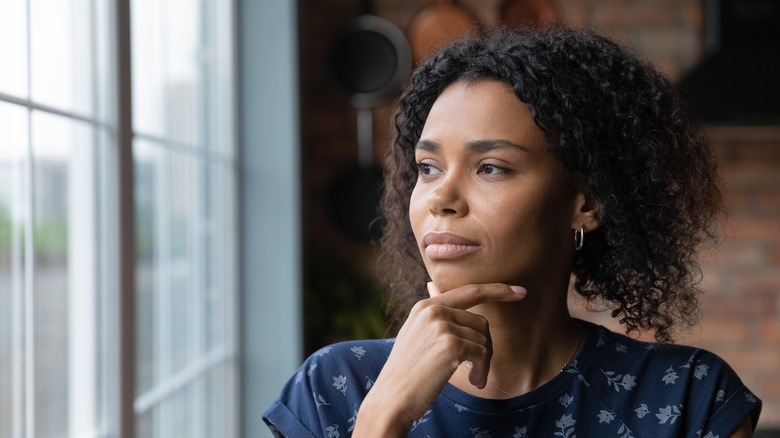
<point>59,222</point>
<point>185,171</point>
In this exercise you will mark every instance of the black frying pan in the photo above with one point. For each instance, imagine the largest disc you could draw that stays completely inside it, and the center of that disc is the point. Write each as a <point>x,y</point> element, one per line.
<point>368,60</point>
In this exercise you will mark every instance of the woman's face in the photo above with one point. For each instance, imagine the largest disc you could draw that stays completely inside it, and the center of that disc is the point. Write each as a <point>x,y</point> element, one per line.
<point>491,204</point>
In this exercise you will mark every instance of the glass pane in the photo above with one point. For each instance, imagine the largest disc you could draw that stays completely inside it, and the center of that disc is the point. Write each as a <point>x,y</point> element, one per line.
<point>62,71</point>
<point>220,104</point>
<point>65,291</point>
<point>167,78</point>
<point>218,390</point>
<point>146,423</point>
<point>184,199</point>
<point>185,275</point>
<point>172,417</point>
<point>168,274</point>
<point>220,250</point>
<point>149,166</point>
<point>178,415</point>
<point>13,125</point>
<point>13,47</point>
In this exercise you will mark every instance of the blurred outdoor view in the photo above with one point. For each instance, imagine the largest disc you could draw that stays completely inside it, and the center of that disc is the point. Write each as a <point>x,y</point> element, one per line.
<point>59,224</point>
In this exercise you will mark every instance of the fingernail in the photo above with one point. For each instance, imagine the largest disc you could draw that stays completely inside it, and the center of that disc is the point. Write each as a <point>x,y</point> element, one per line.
<point>432,291</point>
<point>519,290</point>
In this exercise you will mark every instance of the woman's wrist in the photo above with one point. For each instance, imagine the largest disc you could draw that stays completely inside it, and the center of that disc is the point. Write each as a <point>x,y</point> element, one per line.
<point>377,419</point>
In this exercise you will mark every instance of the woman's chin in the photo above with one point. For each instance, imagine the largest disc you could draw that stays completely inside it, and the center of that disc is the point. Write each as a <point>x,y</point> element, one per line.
<point>444,284</point>
<point>447,281</point>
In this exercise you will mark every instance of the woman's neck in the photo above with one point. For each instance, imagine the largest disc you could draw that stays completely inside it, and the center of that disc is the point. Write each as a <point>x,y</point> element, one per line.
<point>531,344</point>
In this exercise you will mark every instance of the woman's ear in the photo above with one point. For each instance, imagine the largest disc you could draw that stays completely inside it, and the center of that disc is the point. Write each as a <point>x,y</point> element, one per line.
<point>585,212</point>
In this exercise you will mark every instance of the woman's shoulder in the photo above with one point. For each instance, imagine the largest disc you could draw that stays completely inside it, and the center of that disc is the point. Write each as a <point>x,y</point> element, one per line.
<point>349,368</point>
<point>641,378</point>
<point>655,363</point>
<point>327,389</point>
<point>347,358</point>
<point>619,348</point>
<point>354,350</point>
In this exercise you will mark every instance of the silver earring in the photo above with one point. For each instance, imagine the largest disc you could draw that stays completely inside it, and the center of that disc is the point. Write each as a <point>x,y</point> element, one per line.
<point>579,237</point>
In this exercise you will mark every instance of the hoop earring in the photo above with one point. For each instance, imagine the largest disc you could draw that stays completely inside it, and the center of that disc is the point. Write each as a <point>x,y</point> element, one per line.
<point>579,237</point>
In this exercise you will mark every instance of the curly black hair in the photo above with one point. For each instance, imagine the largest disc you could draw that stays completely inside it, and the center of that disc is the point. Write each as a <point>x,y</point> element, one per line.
<point>625,137</point>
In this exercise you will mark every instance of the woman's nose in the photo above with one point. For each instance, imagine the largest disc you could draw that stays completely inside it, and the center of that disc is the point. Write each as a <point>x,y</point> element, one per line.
<point>447,198</point>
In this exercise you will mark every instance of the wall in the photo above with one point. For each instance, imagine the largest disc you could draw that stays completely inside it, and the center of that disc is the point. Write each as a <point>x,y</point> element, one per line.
<point>742,311</point>
<point>741,319</point>
<point>270,308</point>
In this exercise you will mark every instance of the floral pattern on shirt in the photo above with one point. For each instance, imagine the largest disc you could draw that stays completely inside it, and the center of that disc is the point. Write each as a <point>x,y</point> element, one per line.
<point>617,387</point>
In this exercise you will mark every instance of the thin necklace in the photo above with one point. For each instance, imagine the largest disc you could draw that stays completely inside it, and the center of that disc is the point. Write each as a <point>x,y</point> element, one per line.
<point>573,351</point>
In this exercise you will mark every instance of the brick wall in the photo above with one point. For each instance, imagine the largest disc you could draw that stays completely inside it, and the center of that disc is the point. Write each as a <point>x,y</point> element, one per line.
<point>741,310</point>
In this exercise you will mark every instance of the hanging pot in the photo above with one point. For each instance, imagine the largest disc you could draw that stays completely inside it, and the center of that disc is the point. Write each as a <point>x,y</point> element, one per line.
<point>518,13</point>
<point>435,25</point>
<point>369,61</point>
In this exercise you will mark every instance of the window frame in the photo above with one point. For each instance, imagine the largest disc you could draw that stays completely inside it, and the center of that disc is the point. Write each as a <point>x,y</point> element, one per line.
<point>111,342</point>
<point>268,323</point>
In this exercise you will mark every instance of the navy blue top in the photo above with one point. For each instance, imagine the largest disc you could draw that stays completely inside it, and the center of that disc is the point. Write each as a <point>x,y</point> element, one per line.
<point>616,387</point>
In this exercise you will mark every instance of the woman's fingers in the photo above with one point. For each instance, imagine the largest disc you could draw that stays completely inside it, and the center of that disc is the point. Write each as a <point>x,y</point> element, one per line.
<point>433,291</point>
<point>438,336</point>
<point>477,347</point>
<point>471,295</point>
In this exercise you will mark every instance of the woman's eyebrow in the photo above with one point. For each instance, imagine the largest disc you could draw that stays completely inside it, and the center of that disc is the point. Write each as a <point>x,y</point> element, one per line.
<point>427,145</point>
<point>477,146</point>
<point>482,146</point>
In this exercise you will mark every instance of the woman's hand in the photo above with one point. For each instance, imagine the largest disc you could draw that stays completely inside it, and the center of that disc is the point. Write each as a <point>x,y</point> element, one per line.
<point>438,336</point>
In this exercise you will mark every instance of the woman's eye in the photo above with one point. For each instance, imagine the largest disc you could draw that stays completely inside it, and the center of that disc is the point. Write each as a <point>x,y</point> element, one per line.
<point>490,169</point>
<point>427,169</point>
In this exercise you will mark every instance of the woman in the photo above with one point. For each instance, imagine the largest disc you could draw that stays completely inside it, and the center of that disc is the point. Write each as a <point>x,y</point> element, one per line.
<point>522,160</point>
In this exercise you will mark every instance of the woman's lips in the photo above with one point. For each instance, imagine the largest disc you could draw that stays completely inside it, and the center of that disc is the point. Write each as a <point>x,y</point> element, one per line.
<point>443,245</point>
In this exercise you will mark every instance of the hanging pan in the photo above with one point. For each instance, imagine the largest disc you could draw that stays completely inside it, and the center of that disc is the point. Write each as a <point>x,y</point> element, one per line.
<point>369,60</point>
<point>519,13</point>
<point>435,25</point>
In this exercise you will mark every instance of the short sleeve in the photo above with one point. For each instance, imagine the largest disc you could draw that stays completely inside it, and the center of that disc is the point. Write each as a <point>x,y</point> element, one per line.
<point>294,413</point>
<point>279,418</point>
<point>731,413</point>
<point>322,399</point>
<point>720,397</point>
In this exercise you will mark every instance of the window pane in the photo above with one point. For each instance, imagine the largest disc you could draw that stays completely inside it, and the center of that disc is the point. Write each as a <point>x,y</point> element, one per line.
<point>52,215</point>
<point>65,277</point>
<point>186,274</point>
<point>13,120</point>
<point>174,417</point>
<point>185,213</point>
<point>62,71</point>
<point>219,107</point>
<point>167,75</point>
<point>149,166</point>
<point>146,423</point>
<point>178,416</point>
<point>13,47</point>
<point>220,251</point>
<point>169,276</point>
<point>218,389</point>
